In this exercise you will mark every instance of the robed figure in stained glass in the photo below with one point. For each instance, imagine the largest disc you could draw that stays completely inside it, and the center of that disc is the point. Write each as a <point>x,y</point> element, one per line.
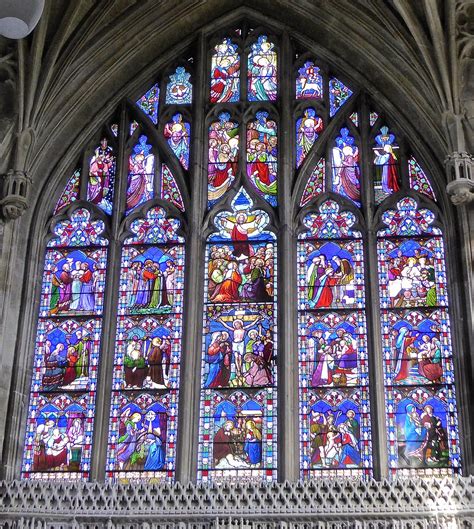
<point>102,167</point>
<point>386,169</point>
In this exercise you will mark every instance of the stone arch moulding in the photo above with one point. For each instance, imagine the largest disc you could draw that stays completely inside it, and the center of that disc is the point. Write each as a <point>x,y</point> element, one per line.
<point>35,220</point>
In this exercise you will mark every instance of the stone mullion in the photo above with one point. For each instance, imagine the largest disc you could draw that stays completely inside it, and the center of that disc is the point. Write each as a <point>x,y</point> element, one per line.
<point>372,304</point>
<point>109,318</point>
<point>288,414</point>
<point>190,368</point>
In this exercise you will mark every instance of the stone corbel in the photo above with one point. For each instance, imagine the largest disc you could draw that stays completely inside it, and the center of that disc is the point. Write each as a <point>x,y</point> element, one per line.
<point>460,171</point>
<point>15,190</point>
<point>16,182</point>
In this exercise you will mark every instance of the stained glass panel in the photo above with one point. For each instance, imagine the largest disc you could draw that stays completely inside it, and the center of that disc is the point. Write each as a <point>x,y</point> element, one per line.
<point>339,93</point>
<point>354,117</point>
<point>59,431</point>
<point>169,188</point>
<point>70,192</point>
<point>387,170</point>
<point>316,183</point>
<point>345,167</point>
<point>223,156</point>
<point>262,71</point>
<point>423,438</point>
<point>332,347</point>
<point>309,83</point>
<point>418,179</point>
<point>237,438</point>
<point>179,90</point>
<point>178,132</point>
<point>100,188</point>
<point>373,117</point>
<point>308,128</point>
<point>149,103</point>
<point>225,73</point>
<point>143,425</point>
<point>335,433</point>
<point>141,172</point>
<point>262,156</point>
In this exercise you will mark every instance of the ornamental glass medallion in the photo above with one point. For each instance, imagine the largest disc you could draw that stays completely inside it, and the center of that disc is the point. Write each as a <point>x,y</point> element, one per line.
<point>237,434</point>
<point>143,427</point>
<point>423,437</point>
<point>335,432</point>
<point>179,90</point>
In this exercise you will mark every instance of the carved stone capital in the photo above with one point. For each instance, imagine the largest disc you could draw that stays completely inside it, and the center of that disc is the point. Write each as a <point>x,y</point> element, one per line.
<point>15,192</point>
<point>460,171</point>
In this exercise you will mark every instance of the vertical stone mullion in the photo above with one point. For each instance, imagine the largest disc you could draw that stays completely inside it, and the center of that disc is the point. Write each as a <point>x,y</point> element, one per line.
<point>190,381</point>
<point>109,318</point>
<point>372,304</point>
<point>288,414</point>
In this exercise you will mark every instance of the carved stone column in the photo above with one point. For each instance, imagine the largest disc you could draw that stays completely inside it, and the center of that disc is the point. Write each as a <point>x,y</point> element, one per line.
<point>460,172</point>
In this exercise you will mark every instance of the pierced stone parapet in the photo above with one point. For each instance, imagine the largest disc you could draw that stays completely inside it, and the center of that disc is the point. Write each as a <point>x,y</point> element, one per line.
<point>410,503</point>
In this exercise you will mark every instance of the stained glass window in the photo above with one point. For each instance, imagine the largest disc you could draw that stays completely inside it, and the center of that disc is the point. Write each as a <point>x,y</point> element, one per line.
<point>141,172</point>
<point>146,186</point>
<point>179,90</point>
<point>61,412</point>
<point>100,187</point>
<point>262,81</point>
<point>335,432</point>
<point>223,156</point>
<point>316,183</point>
<point>225,73</point>
<point>308,128</point>
<point>345,166</point>
<point>70,193</point>
<point>143,425</point>
<point>177,132</point>
<point>149,103</point>
<point>262,156</point>
<point>420,397</point>
<point>387,168</point>
<point>237,434</point>
<point>309,82</point>
<point>418,179</point>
